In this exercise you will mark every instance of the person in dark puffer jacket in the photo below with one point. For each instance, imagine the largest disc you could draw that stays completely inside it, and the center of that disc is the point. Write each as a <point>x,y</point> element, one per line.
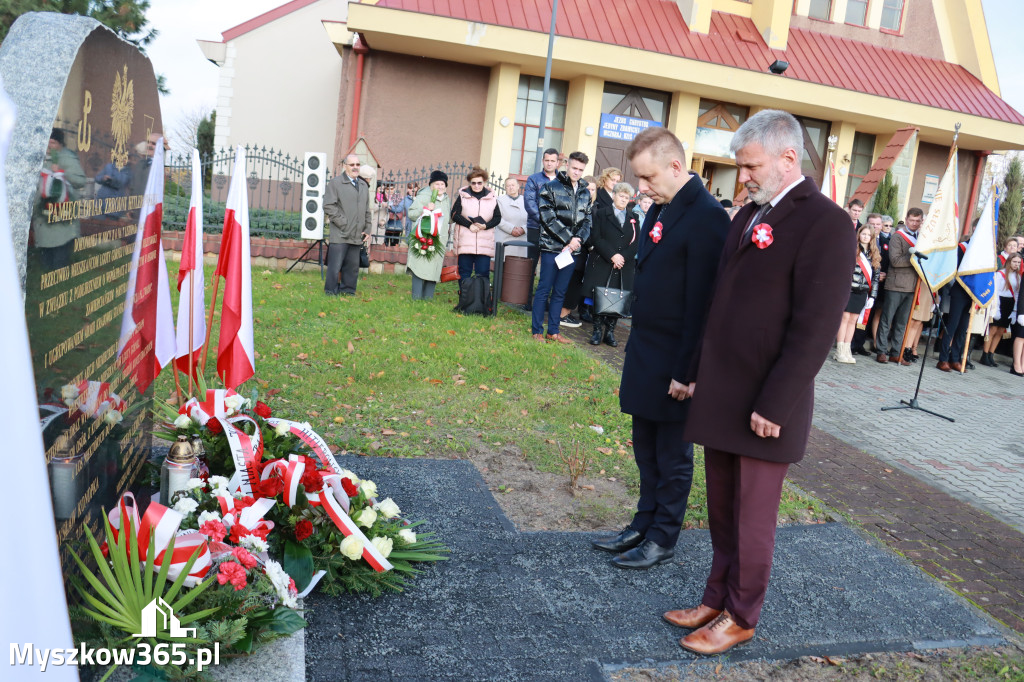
<point>564,207</point>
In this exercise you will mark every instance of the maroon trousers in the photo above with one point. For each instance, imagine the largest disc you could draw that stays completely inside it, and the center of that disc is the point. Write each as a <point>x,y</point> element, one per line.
<point>743,509</point>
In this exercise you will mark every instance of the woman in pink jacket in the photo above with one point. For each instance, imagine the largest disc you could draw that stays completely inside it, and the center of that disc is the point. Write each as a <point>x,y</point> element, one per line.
<point>476,214</point>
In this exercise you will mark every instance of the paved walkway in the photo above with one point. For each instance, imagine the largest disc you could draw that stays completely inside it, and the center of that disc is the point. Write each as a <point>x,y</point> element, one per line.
<point>512,605</point>
<point>948,496</point>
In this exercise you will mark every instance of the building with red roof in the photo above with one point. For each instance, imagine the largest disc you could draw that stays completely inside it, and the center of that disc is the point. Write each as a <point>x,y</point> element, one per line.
<point>427,81</point>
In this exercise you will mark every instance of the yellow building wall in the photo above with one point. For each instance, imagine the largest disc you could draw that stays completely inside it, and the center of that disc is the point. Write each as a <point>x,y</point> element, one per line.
<point>583,111</point>
<point>682,120</point>
<point>844,149</point>
<point>496,145</point>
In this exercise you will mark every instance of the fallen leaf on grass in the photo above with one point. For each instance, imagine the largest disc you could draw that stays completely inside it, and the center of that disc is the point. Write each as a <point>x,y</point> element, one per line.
<point>273,392</point>
<point>605,451</point>
<point>339,420</point>
<point>334,448</point>
<point>351,348</point>
<point>294,376</point>
<point>587,487</point>
<point>389,432</point>
<point>405,358</point>
<point>433,345</point>
<point>313,413</point>
<point>524,412</point>
<point>611,478</point>
<point>322,314</point>
<point>276,286</point>
<point>498,390</point>
<point>436,381</point>
<point>483,387</point>
<point>376,445</point>
<point>451,332</point>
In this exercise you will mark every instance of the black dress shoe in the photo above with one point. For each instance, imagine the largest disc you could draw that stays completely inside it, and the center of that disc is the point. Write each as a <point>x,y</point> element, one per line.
<point>627,539</point>
<point>648,553</point>
<point>863,351</point>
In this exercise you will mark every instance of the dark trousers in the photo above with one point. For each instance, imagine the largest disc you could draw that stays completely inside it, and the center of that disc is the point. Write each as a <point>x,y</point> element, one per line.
<point>743,508</point>
<point>893,322</point>
<point>470,262</point>
<point>533,236</point>
<point>343,258</point>
<point>574,292</point>
<point>951,345</point>
<point>550,293</point>
<point>665,462</point>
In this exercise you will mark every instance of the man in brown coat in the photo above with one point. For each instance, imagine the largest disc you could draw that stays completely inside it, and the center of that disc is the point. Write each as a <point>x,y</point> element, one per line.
<point>783,282</point>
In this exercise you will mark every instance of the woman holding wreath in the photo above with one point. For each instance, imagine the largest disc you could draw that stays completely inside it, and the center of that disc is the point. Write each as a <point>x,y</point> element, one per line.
<point>430,213</point>
<point>612,262</point>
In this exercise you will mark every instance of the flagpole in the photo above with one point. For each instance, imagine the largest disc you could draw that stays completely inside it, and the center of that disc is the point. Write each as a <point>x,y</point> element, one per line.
<point>177,383</point>
<point>967,341</point>
<point>209,324</point>
<point>191,310</point>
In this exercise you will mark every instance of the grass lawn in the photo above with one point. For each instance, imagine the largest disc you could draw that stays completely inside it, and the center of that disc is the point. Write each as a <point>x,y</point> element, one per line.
<point>381,374</point>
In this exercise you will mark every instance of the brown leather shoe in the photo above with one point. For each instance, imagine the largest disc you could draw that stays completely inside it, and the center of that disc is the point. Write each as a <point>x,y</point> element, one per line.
<point>943,365</point>
<point>956,367</point>
<point>894,358</point>
<point>557,337</point>
<point>539,337</point>
<point>882,358</point>
<point>717,637</point>
<point>692,618</point>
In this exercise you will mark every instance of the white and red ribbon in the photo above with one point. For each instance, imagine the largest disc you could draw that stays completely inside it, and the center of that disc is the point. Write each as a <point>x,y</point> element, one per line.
<point>162,522</point>
<point>312,439</point>
<point>212,407</point>
<point>246,451</point>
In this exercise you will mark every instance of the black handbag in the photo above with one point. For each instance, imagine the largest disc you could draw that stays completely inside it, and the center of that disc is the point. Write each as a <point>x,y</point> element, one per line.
<point>364,256</point>
<point>611,301</point>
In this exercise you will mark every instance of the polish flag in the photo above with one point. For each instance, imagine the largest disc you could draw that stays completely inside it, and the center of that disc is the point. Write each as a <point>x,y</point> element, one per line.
<point>236,356</point>
<point>146,344</point>
<point>192,302</point>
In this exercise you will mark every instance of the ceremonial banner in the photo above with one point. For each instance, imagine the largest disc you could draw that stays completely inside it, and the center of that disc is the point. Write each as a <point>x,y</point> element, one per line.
<point>978,266</point>
<point>940,232</point>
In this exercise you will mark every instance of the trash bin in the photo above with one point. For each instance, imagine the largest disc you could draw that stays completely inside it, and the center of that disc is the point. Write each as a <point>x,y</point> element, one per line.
<point>515,286</point>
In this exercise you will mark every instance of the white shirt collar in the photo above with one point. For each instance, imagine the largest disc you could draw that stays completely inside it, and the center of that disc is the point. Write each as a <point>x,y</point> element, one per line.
<point>778,197</point>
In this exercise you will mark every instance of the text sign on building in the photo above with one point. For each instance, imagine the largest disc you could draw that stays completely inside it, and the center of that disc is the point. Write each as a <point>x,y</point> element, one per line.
<point>625,128</point>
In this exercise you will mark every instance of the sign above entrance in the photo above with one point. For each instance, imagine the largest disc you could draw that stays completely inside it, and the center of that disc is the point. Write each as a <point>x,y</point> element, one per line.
<point>624,128</point>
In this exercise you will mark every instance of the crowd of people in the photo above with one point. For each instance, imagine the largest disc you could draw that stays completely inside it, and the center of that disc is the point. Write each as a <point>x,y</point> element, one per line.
<point>889,306</point>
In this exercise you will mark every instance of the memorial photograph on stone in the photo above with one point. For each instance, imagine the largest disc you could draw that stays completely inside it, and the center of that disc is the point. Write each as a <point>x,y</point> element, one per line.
<point>91,341</point>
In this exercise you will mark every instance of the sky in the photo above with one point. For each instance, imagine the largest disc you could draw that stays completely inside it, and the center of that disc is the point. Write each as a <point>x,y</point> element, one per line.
<point>193,80</point>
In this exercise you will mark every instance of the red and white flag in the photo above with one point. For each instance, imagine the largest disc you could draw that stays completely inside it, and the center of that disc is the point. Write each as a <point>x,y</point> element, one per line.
<point>236,355</point>
<point>192,302</point>
<point>146,344</point>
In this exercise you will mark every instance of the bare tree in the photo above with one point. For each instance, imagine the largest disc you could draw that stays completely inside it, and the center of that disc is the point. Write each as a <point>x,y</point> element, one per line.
<point>184,132</point>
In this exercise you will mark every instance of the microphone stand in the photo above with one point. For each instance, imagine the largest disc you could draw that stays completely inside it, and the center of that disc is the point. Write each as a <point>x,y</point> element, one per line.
<point>913,404</point>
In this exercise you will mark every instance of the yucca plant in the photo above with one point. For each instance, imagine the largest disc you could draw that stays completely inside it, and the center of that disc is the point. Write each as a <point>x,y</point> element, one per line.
<point>124,587</point>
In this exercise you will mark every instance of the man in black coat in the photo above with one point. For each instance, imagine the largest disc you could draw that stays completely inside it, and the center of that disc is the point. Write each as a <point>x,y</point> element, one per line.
<point>783,282</point>
<point>679,248</point>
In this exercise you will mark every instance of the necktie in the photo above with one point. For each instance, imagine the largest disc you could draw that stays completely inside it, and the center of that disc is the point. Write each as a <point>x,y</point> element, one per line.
<point>759,215</point>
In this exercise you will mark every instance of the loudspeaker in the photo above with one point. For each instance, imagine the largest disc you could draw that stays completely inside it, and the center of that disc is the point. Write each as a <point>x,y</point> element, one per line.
<point>314,184</point>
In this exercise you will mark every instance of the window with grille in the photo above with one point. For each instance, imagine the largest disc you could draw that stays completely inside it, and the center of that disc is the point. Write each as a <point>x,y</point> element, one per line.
<point>860,162</point>
<point>892,15</point>
<point>820,9</point>
<point>857,12</point>
<point>527,126</point>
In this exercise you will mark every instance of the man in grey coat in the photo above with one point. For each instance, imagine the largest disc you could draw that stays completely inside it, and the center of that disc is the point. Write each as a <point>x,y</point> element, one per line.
<point>347,207</point>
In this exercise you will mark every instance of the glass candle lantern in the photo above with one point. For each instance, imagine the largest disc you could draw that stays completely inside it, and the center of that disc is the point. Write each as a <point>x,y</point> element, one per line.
<point>178,467</point>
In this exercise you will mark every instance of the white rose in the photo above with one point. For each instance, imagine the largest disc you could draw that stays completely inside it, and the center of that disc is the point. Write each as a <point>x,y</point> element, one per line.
<point>345,473</point>
<point>233,402</point>
<point>282,429</point>
<point>112,417</point>
<point>352,547</point>
<point>183,421</point>
<point>186,506</point>
<point>368,488</point>
<point>194,483</point>
<point>208,516</point>
<point>383,545</point>
<point>388,509</point>
<point>407,535</point>
<point>218,482</point>
<point>366,518</point>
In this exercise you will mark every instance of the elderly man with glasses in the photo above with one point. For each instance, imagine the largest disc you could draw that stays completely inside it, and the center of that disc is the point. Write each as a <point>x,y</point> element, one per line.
<point>347,207</point>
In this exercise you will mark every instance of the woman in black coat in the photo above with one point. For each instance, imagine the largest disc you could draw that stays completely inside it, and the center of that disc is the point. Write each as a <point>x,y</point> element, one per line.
<point>612,263</point>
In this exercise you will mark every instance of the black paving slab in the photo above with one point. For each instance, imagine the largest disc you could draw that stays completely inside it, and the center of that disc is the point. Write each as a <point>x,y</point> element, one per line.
<point>545,606</point>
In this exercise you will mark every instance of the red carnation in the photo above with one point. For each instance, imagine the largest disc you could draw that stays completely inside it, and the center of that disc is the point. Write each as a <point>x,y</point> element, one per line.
<point>303,529</point>
<point>349,487</point>
<point>213,426</point>
<point>214,530</point>
<point>230,572</point>
<point>262,409</point>
<point>430,242</point>
<point>244,557</point>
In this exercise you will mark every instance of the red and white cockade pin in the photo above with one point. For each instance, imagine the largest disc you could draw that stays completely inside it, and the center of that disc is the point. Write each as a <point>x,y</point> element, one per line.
<point>656,232</point>
<point>762,235</point>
